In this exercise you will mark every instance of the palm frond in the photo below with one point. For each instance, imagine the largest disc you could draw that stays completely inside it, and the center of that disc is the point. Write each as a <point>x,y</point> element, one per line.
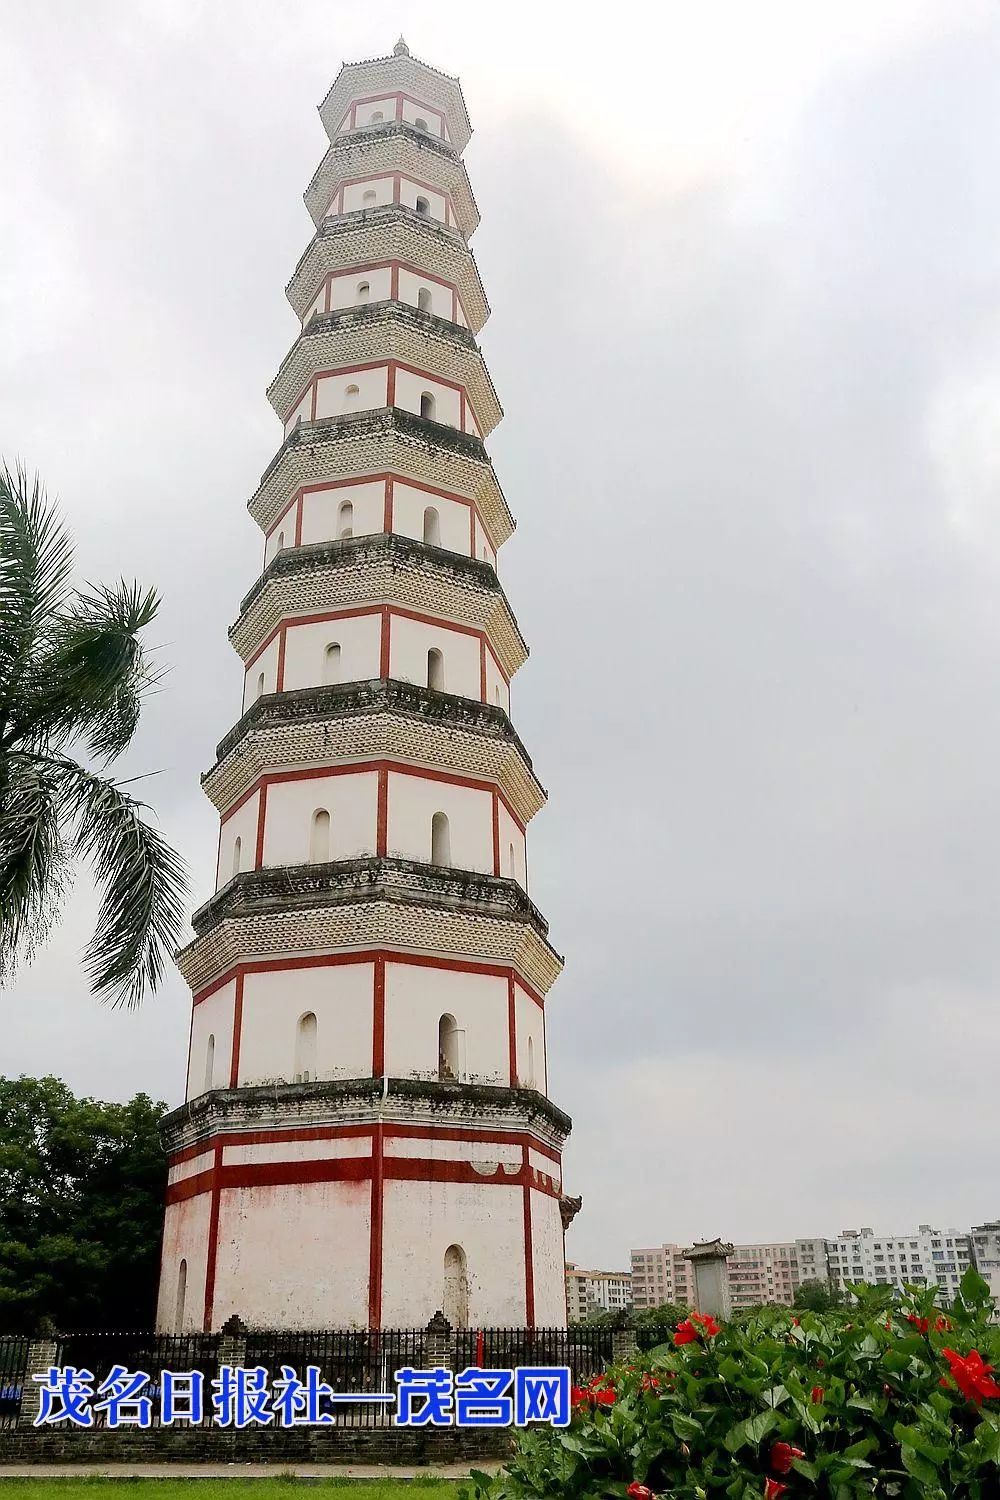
<point>36,558</point>
<point>91,680</point>
<point>33,860</point>
<point>143,882</point>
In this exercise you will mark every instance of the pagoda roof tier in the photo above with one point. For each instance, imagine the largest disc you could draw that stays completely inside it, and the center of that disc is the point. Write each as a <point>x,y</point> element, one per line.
<point>377,331</point>
<point>374,720</point>
<point>406,1102</point>
<point>372,903</point>
<point>387,440</point>
<point>391,232</point>
<point>399,72</point>
<point>395,146</point>
<point>384,568</point>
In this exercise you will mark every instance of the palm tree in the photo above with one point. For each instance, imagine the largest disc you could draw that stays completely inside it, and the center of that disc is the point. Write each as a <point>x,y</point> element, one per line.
<point>72,676</point>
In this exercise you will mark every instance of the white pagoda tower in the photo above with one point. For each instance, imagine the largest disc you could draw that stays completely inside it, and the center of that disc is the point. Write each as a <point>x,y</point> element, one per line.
<point>367,1135</point>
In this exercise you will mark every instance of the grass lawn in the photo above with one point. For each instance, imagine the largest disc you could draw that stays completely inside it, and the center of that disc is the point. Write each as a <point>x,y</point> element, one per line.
<point>281,1487</point>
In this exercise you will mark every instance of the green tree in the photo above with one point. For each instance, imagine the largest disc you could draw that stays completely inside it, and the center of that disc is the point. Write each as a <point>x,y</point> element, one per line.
<point>817,1296</point>
<point>81,1208</point>
<point>72,674</point>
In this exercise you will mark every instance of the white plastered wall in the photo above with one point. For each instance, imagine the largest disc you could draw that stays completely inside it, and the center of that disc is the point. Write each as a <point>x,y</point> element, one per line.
<point>213,1016</point>
<point>305,650</point>
<point>421,1220</point>
<point>447,400</point>
<point>549,1265</point>
<point>437,203</point>
<point>512,848</point>
<point>413,801</point>
<point>416,997</point>
<point>353,196</point>
<point>297,1254</point>
<point>321,510</point>
<point>344,289</point>
<point>242,825</point>
<point>333,396</point>
<point>409,505</point>
<point>497,691</point>
<point>266,664</point>
<point>412,639</point>
<point>185,1237</point>
<point>433,122</point>
<point>485,550</point>
<point>350,800</point>
<point>341,996</point>
<point>441,295</point>
<point>530,1027</point>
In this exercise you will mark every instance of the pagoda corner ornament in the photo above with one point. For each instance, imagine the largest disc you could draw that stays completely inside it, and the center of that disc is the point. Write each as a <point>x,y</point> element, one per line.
<point>367,1137</point>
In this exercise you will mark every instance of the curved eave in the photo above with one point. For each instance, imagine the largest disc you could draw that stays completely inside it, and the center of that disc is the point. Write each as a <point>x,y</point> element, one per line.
<point>359,1100</point>
<point>379,331</point>
<point>381,719</point>
<point>393,147</point>
<point>364,904</point>
<point>397,72</point>
<point>390,232</point>
<point>386,440</point>
<point>383,568</point>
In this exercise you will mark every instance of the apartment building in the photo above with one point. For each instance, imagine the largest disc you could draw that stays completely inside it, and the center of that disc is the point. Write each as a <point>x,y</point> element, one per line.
<point>661,1274</point>
<point>918,1258</point>
<point>590,1292</point>
<point>985,1240</point>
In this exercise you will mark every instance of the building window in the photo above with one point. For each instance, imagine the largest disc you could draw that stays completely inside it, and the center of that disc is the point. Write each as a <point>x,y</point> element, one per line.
<point>424,300</point>
<point>432,527</point>
<point>368,198</point>
<point>345,520</point>
<point>420,124</point>
<point>182,1283</point>
<point>435,669</point>
<point>448,1059</point>
<point>331,663</point>
<point>319,837</point>
<point>210,1062</point>
<point>531,1062</point>
<point>511,869</point>
<point>440,839</point>
<point>455,1296</point>
<point>260,685</point>
<point>305,1048</point>
<point>237,851</point>
<point>423,207</point>
<point>281,541</point>
<point>427,404</point>
<point>363,291</point>
<point>376,117</point>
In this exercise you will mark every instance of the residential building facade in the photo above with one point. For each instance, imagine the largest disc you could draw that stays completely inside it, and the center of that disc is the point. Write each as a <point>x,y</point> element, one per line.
<point>589,1292</point>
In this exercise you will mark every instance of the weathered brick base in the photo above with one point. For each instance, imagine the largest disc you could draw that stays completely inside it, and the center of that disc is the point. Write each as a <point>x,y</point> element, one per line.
<point>371,1445</point>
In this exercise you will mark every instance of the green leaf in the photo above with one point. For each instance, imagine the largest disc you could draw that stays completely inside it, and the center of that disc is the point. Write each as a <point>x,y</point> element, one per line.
<point>914,1464</point>
<point>752,1430</point>
<point>975,1291</point>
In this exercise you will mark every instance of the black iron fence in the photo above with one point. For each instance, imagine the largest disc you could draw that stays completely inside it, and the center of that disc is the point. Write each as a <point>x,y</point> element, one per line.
<point>351,1362</point>
<point>13,1373</point>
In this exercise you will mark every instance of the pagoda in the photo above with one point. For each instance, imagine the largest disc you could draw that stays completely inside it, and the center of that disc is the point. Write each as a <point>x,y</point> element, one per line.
<point>367,1135</point>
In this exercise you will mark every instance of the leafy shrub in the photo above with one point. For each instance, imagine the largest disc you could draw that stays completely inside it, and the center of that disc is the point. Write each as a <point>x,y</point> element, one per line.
<point>887,1397</point>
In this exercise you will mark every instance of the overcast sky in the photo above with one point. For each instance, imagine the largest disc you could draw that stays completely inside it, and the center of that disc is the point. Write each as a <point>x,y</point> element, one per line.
<point>744,268</point>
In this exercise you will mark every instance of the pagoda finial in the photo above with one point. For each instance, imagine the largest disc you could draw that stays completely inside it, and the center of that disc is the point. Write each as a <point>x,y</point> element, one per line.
<point>401,49</point>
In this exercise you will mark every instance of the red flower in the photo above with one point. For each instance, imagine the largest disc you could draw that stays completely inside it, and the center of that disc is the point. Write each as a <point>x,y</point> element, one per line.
<point>638,1491</point>
<point>774,1489</point>
<point>816,1395</point>
<point>687,1332</point>
<point>942,1325</point>
<point>650,1383</point>
<point>971,1375</point>
<point>797,1322</point>
<point>782,1455</point>
<point>920,1324</point>
<point>605,1397</point>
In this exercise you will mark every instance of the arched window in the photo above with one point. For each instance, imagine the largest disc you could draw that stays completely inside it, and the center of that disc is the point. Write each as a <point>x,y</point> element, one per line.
<point>351,394</point>
<point>424,300</point>
<point>432,527</point>
<point>498,695</point>
<point>423,207</point>
<point>511,867</point>
<point>345,519</point>
<point>260,685</point>
<point>449,1063</point>
<point>281,541</point>
<point>376,117</point>
<point>237,851</point>
<point>455,1295</point>
<point>435,669</point>
<point>363,291</point>
<point>305,1048</point>
<point>420,124</point>
<point>368,197</point>
<point>182,1286</point>
<point>331,663</point>
<point>426,404</point>
<point>210,1062</point>
<point>531,1062</point>
<point>440,839</point>
<point>319,837</point>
